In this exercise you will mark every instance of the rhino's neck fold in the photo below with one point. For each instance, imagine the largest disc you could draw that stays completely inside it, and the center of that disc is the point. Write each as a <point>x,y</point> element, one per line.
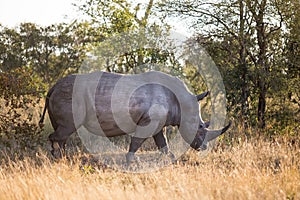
<point>174,115</point>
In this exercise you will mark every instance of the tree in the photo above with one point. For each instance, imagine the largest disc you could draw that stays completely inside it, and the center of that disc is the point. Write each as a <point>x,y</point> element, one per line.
<point>120,18</point>
<point>52,51</point>
<point>11,51</point>
<point>292,51</point>
<point>32,58</point>
<point>244,38</point>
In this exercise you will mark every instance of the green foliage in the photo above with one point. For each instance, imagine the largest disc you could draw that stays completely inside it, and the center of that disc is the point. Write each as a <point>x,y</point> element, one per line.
<point>31,59</point>
<point>255,46</point>
<point>19,82</point>
<point>20,96</point>
<point>127,28</point>
<point>51,52</point>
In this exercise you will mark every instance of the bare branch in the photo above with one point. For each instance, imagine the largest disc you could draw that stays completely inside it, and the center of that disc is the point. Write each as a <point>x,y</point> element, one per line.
<point>147,12</point>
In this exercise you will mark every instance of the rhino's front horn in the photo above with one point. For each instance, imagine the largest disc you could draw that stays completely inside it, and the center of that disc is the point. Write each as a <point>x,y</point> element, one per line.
<point>213,134</point>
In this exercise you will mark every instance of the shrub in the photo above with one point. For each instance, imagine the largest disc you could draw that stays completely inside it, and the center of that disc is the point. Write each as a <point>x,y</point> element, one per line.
<point>21,92</point>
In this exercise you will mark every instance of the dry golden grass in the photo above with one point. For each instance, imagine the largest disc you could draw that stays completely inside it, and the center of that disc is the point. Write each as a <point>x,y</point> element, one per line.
<point>247,170</point>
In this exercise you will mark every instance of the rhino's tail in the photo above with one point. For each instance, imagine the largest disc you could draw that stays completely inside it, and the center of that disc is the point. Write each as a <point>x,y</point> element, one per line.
<point>45,107</point>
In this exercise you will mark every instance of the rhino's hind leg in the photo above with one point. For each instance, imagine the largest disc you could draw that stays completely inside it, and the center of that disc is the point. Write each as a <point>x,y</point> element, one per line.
<point>161,143</point>
<point>135,144</point>
<point>58,140</point>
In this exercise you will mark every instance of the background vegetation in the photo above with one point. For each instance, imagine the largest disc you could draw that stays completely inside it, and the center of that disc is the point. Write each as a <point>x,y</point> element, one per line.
<point>254,43</point>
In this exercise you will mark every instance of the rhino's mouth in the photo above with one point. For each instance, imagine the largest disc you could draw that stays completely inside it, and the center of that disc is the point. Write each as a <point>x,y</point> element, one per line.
<point>198,143</point>
<point>203,147</point>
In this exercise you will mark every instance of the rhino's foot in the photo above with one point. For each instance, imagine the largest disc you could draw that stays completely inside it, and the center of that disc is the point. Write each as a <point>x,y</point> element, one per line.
<point>167,158</point>
<point>130,158</point>
<point>57,154</point>
<point>166,154</point>
<point>172,157</point>
<point>56,151</point>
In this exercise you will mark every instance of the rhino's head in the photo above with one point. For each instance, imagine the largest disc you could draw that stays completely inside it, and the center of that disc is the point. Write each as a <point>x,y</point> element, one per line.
<point>204,134</point>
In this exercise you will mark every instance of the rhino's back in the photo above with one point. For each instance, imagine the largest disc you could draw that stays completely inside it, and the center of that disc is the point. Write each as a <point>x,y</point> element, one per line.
<point>133,94</point>
<point>94,106</point>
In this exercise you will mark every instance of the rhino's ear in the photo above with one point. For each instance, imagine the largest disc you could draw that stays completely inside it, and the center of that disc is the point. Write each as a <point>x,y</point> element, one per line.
<point>201,96</point>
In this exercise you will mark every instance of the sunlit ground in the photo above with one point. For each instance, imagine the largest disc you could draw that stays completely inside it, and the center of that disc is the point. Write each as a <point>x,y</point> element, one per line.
<point>253,169</point>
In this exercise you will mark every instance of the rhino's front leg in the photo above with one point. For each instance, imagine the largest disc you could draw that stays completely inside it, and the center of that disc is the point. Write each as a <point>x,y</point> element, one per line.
<point>161,143</point>
<point>135,144</point>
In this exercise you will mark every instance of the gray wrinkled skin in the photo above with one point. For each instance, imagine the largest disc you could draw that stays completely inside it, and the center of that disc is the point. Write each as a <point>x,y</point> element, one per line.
<point>101,106</point>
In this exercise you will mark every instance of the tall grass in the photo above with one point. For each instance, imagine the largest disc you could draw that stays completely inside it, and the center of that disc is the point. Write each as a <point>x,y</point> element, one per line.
<point>255,169</point>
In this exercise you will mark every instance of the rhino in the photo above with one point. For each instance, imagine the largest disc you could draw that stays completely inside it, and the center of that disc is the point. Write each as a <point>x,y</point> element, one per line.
<point>111,104</point>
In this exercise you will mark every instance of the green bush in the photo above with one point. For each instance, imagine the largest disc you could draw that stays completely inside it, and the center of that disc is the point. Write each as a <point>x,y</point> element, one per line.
<point>21,92</point>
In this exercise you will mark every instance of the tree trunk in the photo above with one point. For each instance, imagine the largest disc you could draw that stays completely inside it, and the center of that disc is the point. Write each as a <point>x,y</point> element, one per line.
<point>261,110</point>
<point>243,66</point>
<point>262,62</point>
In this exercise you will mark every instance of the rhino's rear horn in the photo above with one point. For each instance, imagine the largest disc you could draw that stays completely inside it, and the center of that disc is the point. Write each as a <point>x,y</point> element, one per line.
<point>201,96</point>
